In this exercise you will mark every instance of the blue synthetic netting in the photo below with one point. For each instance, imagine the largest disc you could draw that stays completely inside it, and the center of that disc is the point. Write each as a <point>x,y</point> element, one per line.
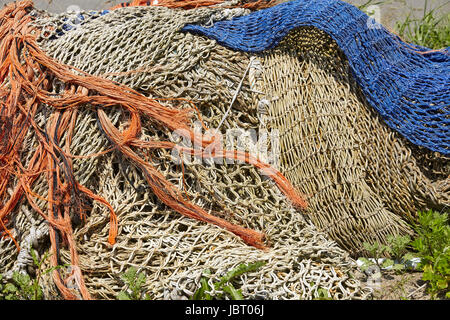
<point>408,87</point>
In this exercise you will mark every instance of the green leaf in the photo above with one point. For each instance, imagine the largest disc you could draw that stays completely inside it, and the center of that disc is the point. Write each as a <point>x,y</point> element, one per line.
<point>409,256</point>
<point>372,248</point>
<point>123,296</point>
<point>428,274</point>
<point>11,297</point>
<point>418,244</point>
<point>35,258</point>
<point>366,264</point>
<point>10,288</point>
<point>387,263</point>
<point>322,294</point>
<point>238,271</point>
<point>134,280</point>
<point>224,284</point>
<point>397,245</point>
<point>51,269</point>
<point>235,294</point>
<point>398,267</point>
<point>129,276</point>
<point>146,297</point>
<point>201,294</point>
<point>387,249</point>
<point>37,292</point>
<point>442,284</point>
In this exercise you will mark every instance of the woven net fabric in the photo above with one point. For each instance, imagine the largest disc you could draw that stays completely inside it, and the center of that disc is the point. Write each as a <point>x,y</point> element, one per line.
<point>407,85</point>
<point>361,186</point>
<point>173,250</point>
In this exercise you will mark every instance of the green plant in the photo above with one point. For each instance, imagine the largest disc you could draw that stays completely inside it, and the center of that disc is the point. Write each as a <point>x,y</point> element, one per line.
<point>377,251</point>
<point>427,31</point>
<point>322,294</point>
<point>22,286</point>
<point>134,281</point>
<point>433,247</point>
<point>225,283</point>
<point>396,248</point>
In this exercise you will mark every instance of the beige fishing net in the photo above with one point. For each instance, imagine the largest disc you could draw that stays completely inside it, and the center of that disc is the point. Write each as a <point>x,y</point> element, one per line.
<point>360,178</point>
<point>363,180</point>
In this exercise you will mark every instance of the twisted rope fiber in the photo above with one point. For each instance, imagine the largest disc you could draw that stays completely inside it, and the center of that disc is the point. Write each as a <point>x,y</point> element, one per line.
<point>26,87</point>
<point>407,85</point>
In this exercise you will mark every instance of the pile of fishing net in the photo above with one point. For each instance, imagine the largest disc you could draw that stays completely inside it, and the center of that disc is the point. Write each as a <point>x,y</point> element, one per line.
<point>97,106</point>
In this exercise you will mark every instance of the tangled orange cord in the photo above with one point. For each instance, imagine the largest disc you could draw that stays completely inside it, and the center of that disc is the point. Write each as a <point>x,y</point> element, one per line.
<point>25,73</point>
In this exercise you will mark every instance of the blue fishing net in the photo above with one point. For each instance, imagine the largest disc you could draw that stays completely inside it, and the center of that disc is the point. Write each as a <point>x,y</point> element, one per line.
<point>408,85</point>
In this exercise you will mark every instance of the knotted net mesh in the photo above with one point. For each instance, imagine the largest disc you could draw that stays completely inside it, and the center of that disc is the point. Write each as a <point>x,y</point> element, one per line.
<point>364,181</point>
<point>144,49</point>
